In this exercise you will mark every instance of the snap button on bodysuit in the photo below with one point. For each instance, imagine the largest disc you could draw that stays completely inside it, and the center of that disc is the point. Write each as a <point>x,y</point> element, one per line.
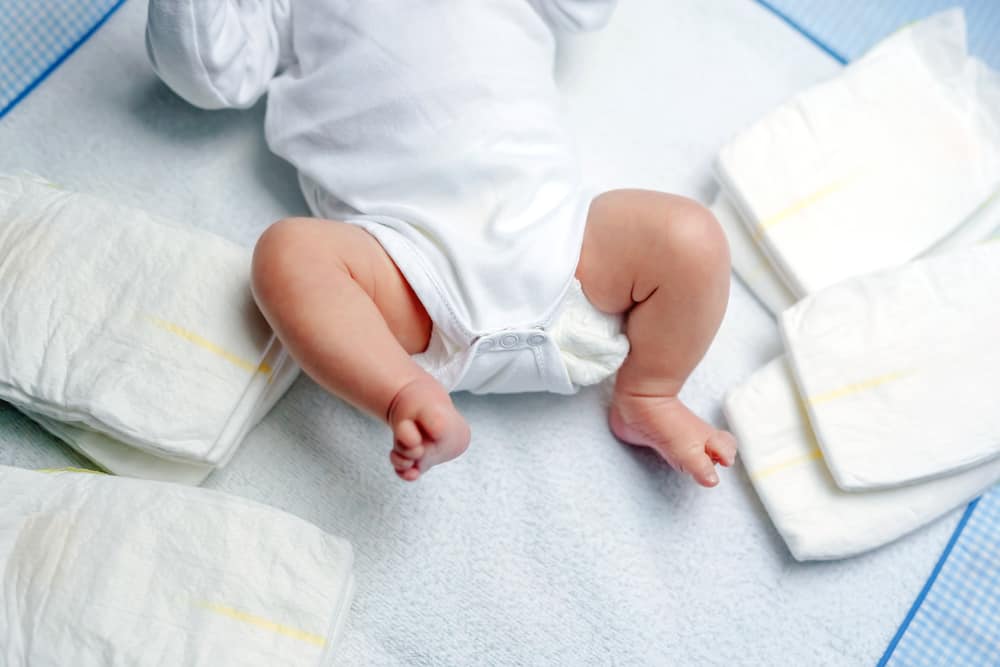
<point>508,341</point>
<point>536,339</point>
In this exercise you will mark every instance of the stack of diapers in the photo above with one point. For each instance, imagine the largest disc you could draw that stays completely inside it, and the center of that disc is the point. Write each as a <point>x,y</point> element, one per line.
<point>134,340</point>
<point>897,156</point>
<point>882,415</point>
<point>106,571</point>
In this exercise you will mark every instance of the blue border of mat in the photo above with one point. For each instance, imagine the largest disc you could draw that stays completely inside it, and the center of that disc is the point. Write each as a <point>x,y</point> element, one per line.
<point>826,48</point>
<point>930,582</point>
<point>60,60</point>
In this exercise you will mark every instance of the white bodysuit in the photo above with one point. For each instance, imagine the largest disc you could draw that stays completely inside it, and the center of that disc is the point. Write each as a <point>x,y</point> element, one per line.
<point>435,125</point>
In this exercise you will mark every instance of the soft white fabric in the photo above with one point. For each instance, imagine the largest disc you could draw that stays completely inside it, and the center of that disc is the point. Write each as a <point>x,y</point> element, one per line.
<point>102,571</point>
<point>547,542</point>
<point>121,323</point>
<point>436,126</point>
<point>817,519</point>
<point>898,368</point>
<point>874,167</point>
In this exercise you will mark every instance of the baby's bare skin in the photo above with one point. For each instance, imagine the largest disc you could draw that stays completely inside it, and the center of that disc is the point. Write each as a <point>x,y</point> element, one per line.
<point>348,316</point>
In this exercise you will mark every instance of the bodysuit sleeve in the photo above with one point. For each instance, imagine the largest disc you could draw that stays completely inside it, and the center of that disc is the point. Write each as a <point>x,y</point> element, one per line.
<point>218,53</point>
<point>575,15</point>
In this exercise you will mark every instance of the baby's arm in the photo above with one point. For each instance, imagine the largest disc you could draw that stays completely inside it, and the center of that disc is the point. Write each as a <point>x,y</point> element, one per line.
<point>218,53</point>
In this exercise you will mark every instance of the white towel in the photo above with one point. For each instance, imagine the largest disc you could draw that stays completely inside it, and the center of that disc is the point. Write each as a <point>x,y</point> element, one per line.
<point>142,331</point>
<point>817,520</point>
<point>102,571</point>
<point>899,368</point>
<point>873,167</point>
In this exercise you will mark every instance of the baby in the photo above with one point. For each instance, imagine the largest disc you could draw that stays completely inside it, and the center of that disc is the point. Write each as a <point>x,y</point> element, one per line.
<point>455,245</point>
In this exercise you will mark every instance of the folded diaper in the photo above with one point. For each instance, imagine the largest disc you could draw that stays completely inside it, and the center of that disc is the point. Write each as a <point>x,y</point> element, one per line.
<point>898,369</point>
<point>872,168</point>
<point>817,519</point>
<point>141,331</point>
<point>749,260</point>
<point>104,571</point>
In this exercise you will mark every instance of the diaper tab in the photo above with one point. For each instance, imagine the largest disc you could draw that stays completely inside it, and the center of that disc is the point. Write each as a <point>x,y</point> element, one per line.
<point>512,361</point>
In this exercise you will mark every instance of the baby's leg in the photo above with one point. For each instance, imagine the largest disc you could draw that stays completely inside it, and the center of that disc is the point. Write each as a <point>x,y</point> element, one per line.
<point>349,318</point>
<point>665,260</point>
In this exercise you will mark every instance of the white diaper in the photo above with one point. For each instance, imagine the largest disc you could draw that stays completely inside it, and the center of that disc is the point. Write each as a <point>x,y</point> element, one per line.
<point>119,326</point>
<point>100,571</point>
<point>817,519</point>
<point>896,156</point>
<point>899,369</point>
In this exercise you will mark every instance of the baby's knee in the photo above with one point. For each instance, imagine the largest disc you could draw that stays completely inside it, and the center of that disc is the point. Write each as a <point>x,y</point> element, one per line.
<point>288,254</point>
<point>275,253</point>
<point>692,236</point>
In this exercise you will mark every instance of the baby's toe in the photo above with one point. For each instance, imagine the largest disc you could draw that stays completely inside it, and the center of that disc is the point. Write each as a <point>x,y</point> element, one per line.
<point>407,435</point>
<point>400,462</point>
<point>409,475</point>
<point>697,464</point>
<point>721,447</point>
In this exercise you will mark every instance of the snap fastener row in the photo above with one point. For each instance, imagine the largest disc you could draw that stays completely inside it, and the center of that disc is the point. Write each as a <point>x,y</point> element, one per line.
<point>508,340</point>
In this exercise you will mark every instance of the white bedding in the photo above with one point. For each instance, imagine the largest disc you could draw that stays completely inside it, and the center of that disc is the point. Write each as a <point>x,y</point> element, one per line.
<point>549,542</point>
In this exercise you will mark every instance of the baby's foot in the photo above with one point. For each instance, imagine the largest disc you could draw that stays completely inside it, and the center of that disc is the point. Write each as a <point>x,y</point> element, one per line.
<point>427,428</point>
<point>677,434</point>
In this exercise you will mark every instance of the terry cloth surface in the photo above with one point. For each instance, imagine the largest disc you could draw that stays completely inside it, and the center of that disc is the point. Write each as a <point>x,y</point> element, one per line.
<point>515,537</point>
<point>848,28</point>
<point>955,619</point>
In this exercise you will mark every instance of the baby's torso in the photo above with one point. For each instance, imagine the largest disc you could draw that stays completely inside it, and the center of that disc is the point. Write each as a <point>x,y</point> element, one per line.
<point>437,126</point>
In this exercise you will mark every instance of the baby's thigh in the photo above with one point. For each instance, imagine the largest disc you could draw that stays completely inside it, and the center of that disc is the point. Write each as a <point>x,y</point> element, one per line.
<point>314,258</point>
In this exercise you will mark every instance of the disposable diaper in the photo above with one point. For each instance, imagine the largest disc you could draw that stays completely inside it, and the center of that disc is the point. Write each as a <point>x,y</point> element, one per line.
<point>141,331</point>
<point>100,571</point>
<point>874,167</point>
<point>898,369</point>
<point>817,519</point>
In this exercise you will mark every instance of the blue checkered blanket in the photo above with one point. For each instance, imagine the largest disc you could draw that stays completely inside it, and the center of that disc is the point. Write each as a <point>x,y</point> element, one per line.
<point>956,618</point>
<point>37,35</point>
<point>847,28</point>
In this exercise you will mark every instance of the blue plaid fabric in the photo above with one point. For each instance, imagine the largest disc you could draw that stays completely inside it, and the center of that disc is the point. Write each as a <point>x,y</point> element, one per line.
<point>37,35</point>
<point>956,618</point>
<point>847,28</point>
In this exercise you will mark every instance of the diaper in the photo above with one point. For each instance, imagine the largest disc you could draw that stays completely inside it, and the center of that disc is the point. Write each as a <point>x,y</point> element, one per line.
<point>102,571</point>
<point>898,155</point>
<point>144,332</point>
<point>898,369</point>
<point>582,346</point>
<point>817,519</point>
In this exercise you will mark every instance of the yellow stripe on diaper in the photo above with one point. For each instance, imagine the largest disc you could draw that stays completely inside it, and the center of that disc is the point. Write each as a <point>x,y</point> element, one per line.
<point>263,623</point>
<point>84,470</point>
<point>813,454</point>
<point>856,387</point>
<point>801,205</point>
<point>206,344</point>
